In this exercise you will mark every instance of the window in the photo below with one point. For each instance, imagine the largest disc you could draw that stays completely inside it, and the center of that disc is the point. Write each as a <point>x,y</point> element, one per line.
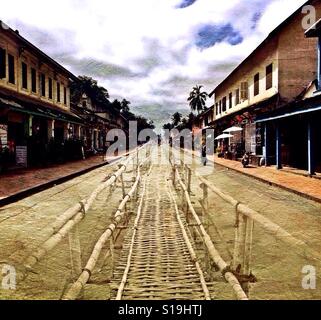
<point>244,91</point>
<point>269,76</point>
<point>43,84</point>
<point>65,96</point>
<point>50,89</point>
<point>24,75</point>
<point>216,108</point>
<point>237,96</point>
<point>230,97</point>
<point>3,73</point>
<point>220,106</point>
<point>33,80</point>
<point>256,84</point>
<point>224,104</point>
<point>58,92</point>
<point>11,67</point>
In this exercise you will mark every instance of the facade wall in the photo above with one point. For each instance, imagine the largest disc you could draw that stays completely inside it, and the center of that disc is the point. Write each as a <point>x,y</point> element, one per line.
<point>20,56</point>
<point>257,64</point>
<point>297,57</point>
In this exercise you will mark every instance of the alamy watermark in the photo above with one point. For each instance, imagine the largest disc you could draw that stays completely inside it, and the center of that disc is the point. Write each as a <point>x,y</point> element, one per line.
<point>310,17</point>
<point>8,277</point>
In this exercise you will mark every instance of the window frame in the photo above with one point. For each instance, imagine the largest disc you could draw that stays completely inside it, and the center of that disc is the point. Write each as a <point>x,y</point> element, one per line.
<point>50,88</point>
<point>33,72</point>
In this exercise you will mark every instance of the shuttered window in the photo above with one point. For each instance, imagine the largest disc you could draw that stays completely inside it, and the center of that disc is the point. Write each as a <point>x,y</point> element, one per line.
<point>65,96</point>
<point>256,84</point>
<point>11,67</point>
<point>33,80</point>
<point>24,74</point>
<point>230,99</point>
<point>50,88</point>
<point>58,92</point>
<point>269,76</point>
<point>3,73</point>
<point>43,84</point>
<point>237,96</point>
<point>244,91</point>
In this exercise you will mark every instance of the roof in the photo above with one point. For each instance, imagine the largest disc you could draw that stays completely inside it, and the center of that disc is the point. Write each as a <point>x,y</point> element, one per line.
<point>269,37</point>
<point>16,35</point>
<point>314,31</point>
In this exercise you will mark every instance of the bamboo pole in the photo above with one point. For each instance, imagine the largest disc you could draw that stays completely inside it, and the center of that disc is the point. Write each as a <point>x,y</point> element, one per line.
<point>125,275</point>
<point>267,225</point>
<point>77,287</point>
<point>190,247</point>
<point>214,254</point>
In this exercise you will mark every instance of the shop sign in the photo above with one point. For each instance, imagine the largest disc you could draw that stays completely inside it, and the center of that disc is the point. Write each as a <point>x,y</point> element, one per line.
<point>22,156</point>
<point>3,135</point>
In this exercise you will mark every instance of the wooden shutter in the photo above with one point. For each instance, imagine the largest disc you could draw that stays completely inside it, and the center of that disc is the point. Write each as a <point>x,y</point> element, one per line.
<point>2,63</point>
<point>244,91</point>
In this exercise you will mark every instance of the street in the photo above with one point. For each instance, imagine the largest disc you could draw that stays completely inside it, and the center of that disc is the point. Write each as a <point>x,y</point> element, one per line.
<point>156,261</point>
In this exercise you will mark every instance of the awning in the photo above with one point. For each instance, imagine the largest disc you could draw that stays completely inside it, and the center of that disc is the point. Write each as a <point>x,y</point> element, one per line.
<point>288,114</point>
<point>40,111</point>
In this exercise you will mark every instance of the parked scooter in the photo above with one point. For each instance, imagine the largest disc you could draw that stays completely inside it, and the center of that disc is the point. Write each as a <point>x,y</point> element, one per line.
<point>246,160</point>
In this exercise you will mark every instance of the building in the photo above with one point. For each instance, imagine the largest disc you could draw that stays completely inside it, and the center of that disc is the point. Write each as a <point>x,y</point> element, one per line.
<point>98,120</point>
<point>297,142</point>
<point>34,101</point>
<point>271,77</point>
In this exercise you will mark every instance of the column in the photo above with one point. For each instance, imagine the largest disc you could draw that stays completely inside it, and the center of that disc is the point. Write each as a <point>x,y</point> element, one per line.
<point>66,133</point>
<point>30,125</point>
<point>319,63</point>
<point>51,129</point>
<point>266,155</point>
<point>311,167</point>
<point>278,147</point>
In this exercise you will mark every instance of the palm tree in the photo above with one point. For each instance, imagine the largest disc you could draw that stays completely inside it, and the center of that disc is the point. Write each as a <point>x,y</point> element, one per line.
<point>197,99</point>
<point>176,119</point>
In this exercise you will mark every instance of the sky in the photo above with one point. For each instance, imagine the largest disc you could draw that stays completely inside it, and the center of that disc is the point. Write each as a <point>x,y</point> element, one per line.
<point>151,52</point>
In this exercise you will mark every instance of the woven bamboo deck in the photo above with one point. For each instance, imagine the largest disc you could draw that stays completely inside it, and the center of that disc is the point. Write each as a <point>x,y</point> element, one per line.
<point>160,264</point>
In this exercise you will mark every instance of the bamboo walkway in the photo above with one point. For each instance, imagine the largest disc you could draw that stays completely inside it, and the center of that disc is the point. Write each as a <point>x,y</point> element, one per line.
<point>157,261</point>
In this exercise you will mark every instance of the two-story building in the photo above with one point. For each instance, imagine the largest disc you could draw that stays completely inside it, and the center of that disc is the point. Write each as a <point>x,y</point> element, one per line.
<point>273,75</point>
<point>34,99</point>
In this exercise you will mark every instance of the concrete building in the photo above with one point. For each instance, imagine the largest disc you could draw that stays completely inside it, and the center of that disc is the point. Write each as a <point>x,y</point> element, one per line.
<point>34,99</point>
<point>272,76</point>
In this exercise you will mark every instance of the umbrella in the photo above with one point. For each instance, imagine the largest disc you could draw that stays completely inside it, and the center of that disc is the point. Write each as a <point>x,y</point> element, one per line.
<point>233,129</point>
<point>224,136</point>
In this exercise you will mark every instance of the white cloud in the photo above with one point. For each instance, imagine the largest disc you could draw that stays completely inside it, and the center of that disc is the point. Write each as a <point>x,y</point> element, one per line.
<point>149,37</point>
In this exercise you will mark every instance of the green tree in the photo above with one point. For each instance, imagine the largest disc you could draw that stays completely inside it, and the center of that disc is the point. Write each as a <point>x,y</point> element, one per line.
<point>98,95</point>
<point>197,99</point>
<point>125,106</point>
<point>176,119</point>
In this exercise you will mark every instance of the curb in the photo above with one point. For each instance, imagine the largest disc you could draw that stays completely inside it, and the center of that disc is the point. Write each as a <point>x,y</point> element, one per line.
<point>47,185</point>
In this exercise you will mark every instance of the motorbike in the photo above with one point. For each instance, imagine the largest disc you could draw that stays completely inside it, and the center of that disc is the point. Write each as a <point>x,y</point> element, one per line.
<point>246,159</point>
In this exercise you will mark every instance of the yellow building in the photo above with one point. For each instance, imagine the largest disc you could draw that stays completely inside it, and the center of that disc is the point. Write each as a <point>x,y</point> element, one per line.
<point>34,99</point>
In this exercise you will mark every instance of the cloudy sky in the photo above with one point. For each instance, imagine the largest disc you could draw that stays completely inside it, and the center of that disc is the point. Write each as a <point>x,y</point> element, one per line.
<point>151,52</point>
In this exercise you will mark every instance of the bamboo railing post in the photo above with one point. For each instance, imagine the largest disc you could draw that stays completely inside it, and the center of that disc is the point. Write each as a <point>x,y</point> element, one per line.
<point>75,253</point>
<point>240,230</point>
<point>248,245</point>
<point>112,256</point>
<point>189,180</point>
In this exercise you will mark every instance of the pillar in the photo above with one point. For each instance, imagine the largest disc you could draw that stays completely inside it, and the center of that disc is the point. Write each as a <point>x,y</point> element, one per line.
<point>319,63</point>
<point>266,155</point>
<point>311,167</point>
<point>278,147</point>
<point>66,133</point>
<point>30,125</point>
<point>51,129</point>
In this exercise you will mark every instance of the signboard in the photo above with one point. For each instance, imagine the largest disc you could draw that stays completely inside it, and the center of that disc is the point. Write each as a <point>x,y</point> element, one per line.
<point>22,156</point>
<point>3,135</point>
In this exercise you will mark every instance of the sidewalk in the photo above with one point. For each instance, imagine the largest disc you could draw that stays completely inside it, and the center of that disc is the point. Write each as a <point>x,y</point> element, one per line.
<point>304,186</point>
<point>22,182</point>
